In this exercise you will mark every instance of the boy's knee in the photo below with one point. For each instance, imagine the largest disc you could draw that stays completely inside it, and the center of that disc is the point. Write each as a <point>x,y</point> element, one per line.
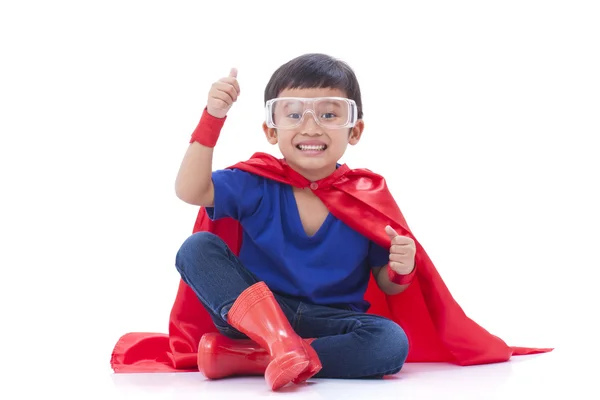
<point>196,245</point>
<point>199,241</point>
<point>392,346</point>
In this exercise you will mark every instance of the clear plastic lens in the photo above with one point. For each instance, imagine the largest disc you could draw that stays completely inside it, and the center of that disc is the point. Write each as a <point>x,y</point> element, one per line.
<point>329,112</point>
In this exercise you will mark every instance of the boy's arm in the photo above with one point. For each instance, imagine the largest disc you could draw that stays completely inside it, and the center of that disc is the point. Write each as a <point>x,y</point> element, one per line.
<point>194,180</point>
<point>394,277</point>
<point>382,277</point>
<point>384,282</point>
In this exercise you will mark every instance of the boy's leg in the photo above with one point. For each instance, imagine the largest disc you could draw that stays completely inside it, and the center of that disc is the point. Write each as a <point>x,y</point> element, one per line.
<point>347,344</point>
<point>215,274</point>
<point>240,306</point>
<point>352,344</point>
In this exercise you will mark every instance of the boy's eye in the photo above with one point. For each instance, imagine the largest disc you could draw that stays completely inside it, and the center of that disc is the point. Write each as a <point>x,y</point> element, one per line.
<point>328,115</point>
<point>294,115</point>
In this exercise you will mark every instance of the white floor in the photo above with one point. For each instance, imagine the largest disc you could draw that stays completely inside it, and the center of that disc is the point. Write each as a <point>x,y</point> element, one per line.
<point>538,376</point>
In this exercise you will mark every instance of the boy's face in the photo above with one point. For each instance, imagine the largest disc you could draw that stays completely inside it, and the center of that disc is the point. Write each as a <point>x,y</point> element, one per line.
<point>310,148</point>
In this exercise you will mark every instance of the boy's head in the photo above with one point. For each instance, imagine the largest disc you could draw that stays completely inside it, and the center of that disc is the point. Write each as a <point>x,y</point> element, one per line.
<point>315,70</point>
<point>318,112</point>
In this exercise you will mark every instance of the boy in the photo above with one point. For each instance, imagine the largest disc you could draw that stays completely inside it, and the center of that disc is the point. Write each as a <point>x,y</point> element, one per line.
<point>301,272</point>
<point>296,268</point>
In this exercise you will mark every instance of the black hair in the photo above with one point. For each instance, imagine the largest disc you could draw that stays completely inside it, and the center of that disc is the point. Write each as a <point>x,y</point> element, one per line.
<point>315,70</point>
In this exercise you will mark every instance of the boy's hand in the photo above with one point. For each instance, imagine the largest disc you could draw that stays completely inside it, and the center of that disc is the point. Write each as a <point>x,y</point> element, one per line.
<point>402,252</point>
<point>223,93</point>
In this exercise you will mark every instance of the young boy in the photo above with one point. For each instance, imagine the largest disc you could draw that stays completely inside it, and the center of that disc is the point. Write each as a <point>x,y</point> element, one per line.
<point>296,268</point>
<point>291,305</point>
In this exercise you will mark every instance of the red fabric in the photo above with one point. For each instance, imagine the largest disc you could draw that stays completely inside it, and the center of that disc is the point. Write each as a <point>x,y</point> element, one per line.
<point>437,327</point>
<point>208,130</point>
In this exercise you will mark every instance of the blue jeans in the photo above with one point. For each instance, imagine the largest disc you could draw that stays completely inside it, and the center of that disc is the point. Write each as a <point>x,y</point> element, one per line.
<point>349,344</point>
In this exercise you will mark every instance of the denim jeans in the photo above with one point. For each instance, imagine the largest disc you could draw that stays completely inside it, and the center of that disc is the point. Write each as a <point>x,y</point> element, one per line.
<point>350,344</point>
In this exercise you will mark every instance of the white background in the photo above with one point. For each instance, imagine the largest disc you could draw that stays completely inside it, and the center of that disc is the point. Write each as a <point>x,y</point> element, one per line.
<point>483,116</point>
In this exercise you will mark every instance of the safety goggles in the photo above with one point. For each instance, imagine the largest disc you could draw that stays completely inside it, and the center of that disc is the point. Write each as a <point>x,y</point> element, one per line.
<point>328,112</point>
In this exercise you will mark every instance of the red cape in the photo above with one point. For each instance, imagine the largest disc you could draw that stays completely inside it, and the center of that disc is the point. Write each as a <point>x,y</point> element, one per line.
<point>437,327</point>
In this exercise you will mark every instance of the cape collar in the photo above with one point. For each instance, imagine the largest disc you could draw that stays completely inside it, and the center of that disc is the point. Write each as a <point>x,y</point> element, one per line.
<point>296,179</point>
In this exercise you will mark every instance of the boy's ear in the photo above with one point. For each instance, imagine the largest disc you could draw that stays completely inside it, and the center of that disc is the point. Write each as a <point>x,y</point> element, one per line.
<point>270,133</point>
<point>356,132</point>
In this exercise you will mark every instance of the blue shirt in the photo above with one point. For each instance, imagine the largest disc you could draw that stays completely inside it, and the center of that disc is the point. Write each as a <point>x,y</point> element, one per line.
<point>332,267</point>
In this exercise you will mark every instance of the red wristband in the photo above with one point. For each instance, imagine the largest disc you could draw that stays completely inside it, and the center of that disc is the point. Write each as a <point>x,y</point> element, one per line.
<point>400,279</point>
<point>208,129</point>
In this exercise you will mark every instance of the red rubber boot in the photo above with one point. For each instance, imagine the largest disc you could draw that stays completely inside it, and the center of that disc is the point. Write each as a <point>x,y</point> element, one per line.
<point>257,314</point>
<point>313,367</point>
<point>220,357</point>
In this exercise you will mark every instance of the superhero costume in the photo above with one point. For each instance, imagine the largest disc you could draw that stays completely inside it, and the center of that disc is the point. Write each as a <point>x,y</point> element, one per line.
<point>437,327</point>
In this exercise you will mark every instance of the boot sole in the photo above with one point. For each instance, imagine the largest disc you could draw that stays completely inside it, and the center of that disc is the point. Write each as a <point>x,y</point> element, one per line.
<point>286,368</point>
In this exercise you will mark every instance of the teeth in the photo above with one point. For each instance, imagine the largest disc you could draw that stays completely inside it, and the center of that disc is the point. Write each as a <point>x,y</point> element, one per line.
<point>311,147</point>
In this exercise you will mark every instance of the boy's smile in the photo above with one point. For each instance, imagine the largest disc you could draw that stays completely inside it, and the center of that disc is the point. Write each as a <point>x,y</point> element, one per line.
<point>312,147</point>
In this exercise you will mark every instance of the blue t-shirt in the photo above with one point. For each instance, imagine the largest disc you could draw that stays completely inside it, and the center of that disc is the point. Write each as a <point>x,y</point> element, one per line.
<point>332,267</point>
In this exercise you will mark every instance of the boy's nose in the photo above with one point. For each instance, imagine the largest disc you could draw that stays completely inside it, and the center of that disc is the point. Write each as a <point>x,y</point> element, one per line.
<point>310,125</point>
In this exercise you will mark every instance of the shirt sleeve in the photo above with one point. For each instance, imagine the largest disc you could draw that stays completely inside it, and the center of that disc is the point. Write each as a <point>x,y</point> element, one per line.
<point>378,256</point>
<point>237,194</point>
